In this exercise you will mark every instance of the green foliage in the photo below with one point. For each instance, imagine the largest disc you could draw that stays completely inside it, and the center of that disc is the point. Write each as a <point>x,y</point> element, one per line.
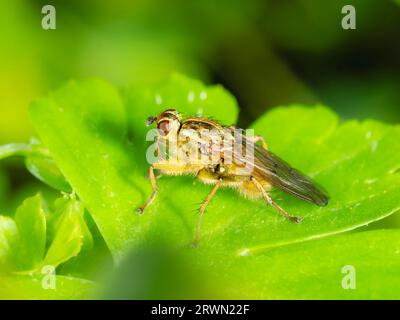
<point>97,128</point>
<point>8,236</point>
<point>317,269</point>
<point>23,254</point>
<point>190,97</point>
<point>30,287</point>
<point>95,155</point>
<point>71,233</point>
<point>31,223</point>
<point>38,162</point>
<point>96,136</point>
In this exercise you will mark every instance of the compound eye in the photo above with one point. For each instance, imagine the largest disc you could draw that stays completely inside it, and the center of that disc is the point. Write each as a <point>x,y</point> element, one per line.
<point>163,126</point>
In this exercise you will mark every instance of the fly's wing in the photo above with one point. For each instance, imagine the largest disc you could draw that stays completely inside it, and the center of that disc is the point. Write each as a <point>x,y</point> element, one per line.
<point>280,174</point>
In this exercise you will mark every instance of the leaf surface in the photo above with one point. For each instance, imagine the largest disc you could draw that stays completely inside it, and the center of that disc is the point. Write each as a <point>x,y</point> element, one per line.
<point>98,140</point>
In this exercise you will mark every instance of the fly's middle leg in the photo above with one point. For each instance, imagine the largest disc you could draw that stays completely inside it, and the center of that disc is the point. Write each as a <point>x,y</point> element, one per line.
<point>153,181</point>
<point>203,208</point>
<point>272,203</point>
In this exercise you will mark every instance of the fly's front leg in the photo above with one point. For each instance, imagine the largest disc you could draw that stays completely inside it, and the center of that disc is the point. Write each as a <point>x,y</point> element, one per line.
<point>153,182</point>
<point>272,203</point>
<point>157,175</point>
<point>203,208</point>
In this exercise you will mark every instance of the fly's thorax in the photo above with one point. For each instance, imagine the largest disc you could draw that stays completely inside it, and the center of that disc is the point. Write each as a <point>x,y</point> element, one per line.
<point>167,147</point>
<point>199,145</point>
<point>201,142</point>
<point>210,145</point>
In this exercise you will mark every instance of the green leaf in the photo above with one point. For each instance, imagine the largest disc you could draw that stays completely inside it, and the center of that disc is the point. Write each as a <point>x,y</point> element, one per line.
<point>14,149</point>
<point>31,223</point>
<point>70,235</point>
<point>8,238</point>
<point>4,188</point>
<point>184,94</point>
<point>99,145</point>
<point>45,169</point>
<point>85,127</point>
<point>39,288</point>
<point>314,269</point>
<point>93,116</point>
<point>38,162</point>
<point>355,161</point>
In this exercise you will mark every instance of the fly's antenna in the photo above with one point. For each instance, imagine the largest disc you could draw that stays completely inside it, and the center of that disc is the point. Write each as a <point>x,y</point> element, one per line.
<point>150,120</point>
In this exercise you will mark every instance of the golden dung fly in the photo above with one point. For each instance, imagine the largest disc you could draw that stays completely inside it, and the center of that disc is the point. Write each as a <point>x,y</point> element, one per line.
<point>224,156</point>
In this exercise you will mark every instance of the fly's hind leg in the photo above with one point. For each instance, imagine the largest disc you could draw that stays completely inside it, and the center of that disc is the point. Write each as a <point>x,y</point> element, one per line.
<point>153,181</point>
<point>272,203</point>
<point>203,208</point>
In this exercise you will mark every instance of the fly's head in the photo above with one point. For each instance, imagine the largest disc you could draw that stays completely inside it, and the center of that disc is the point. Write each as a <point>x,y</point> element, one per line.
<point>168,123</point>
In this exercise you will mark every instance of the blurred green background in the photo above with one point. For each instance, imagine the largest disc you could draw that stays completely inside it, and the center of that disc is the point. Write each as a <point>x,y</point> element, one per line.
<point>267,53</point>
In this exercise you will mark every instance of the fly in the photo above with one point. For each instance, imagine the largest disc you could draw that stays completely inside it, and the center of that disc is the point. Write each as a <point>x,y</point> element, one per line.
<point>224,156</point>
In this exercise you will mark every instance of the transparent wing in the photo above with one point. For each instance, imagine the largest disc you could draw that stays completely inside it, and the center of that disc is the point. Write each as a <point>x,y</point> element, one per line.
<point>280,174</point>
